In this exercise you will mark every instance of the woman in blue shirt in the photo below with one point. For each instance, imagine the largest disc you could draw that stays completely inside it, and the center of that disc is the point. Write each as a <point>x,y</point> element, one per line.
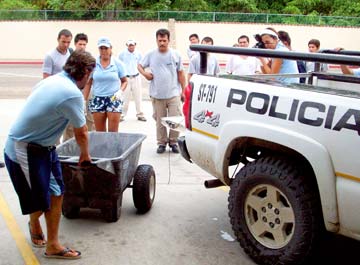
<point>278,65</point>
<point>107,83</point>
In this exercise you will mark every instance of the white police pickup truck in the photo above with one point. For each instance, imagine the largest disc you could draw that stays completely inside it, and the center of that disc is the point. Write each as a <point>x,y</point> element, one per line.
<point>297,147</point>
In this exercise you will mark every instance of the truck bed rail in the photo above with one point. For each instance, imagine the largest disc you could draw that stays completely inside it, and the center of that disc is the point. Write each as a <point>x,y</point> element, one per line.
<point>341,57</point>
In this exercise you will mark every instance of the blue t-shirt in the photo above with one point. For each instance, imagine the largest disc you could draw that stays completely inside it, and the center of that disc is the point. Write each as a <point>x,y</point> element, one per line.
<point>54,102</point>
<point>356,72</point>
<point>130,60</point>
<point>287,66</point>
<point>106,81</point>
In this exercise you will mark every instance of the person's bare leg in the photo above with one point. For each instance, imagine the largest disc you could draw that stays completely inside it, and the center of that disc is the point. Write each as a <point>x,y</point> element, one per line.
<point>113,121</point>
<point>52,218</point>
<point>100,121</point>
<point>35,227</point>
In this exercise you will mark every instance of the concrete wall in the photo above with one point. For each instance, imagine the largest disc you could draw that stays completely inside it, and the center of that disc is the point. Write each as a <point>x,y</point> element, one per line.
<point>30,40</point>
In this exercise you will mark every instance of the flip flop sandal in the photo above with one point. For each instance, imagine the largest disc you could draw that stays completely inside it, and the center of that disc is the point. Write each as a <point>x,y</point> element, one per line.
<point>62,254</point>
<point>37,237</point>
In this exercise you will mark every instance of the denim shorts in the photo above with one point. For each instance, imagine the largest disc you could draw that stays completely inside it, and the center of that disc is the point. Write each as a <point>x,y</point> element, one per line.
<point>35,177</point>
<point>105,104</point>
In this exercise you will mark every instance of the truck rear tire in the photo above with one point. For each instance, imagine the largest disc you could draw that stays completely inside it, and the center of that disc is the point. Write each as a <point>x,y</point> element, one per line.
<point>144,186</point>
<point>275,212</point>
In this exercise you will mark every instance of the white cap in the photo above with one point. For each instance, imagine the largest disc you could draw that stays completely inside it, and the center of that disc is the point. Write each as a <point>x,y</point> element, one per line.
<point>104,41</point>
<point>130,42</point>
<point>268,32</point>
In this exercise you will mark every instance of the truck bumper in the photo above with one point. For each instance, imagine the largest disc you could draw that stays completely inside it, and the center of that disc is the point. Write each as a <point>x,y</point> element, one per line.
<point>183,149</point>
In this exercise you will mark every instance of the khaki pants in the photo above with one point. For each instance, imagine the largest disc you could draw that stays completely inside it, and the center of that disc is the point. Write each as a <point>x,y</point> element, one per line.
<point>133,88</point>
<point>69,130</point>
<point>164,108</point>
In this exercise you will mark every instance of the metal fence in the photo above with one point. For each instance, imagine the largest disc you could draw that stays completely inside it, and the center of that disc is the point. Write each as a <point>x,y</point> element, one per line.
<point>130,15</point>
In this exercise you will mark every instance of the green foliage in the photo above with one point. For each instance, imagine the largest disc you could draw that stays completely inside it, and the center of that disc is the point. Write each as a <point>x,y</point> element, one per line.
<point>276,7</point>
<point>346,8</point>
<point>308,6</point>
<point>238,6</point>
<point>263,6</point>
<point>190,5</point>
<point>161,5</point>
<point>7,13</point>
<point>258,11</point>
<point>17,4</point>
<point>290,9</point>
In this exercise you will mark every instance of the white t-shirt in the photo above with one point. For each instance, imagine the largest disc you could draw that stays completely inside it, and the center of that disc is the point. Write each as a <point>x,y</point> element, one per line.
<point>54,62</point>
<point>238,65</point>
<point>310,67</point>
<point>212,65</point>
<point>165,68</point>
<point>191,53</point>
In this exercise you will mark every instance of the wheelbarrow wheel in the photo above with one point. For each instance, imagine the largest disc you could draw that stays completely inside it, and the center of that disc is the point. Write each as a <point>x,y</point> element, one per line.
<point>70,212</point>
<point>144,188</point>
<point>113,214</point>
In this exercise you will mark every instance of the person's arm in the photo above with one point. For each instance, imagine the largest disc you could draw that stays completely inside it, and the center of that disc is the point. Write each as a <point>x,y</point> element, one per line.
<point>48,66</point>
<point>273,69</point>
<point>87,88</point>
<point>182,81</point>
<point>82,139</point>
<point>191,69</point>
<point>346,70</point>
<point>276,65</point>
<point>149,76</point>
<point>264,65</point>
<point>124,82</point>
<point>189,76</point>
<point>45,75</point>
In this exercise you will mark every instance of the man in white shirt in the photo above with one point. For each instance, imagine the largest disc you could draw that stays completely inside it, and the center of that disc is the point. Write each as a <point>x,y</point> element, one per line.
<point>314,46</point>
<point>56,59</point>
<point>167,84</point>
<point>212,64</point>
<point>194,39</point>
<point>131,58</point>
<point>242,64</point>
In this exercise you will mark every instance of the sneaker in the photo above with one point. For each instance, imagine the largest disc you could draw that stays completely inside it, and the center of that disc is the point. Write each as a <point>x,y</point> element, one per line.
<point>174,148</point>
<point>2,164</point>
<point>161,149</point>
<point>141,118</point>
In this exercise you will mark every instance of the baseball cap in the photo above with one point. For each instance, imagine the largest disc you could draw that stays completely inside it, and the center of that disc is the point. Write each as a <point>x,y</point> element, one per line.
<point>268,32</point>
<point>130,42</point>
<point>103,41</point>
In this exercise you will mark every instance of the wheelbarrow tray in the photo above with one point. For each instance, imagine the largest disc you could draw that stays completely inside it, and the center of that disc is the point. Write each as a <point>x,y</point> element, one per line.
<point>100,184</point>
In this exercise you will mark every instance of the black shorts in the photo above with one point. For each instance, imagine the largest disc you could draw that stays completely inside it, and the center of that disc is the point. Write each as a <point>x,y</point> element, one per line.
<point>35,178</point>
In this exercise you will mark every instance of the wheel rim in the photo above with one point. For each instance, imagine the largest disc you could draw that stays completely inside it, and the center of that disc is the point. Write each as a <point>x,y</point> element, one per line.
<point>269,216</point>
<point>152,187</point>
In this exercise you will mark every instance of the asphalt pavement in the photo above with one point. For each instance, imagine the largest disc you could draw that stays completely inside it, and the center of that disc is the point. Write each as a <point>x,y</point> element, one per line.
<point>187,224</point>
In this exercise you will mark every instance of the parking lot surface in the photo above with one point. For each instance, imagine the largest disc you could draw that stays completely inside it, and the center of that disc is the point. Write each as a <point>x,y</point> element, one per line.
<point>187,224</point>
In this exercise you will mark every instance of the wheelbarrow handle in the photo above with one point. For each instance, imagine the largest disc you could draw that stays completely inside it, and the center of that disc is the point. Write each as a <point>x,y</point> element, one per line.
<point>83,165</point>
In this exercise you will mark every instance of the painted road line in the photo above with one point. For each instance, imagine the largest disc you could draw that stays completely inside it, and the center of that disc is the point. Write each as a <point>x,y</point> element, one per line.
<point>20,75</point>
<point>20,240</point>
